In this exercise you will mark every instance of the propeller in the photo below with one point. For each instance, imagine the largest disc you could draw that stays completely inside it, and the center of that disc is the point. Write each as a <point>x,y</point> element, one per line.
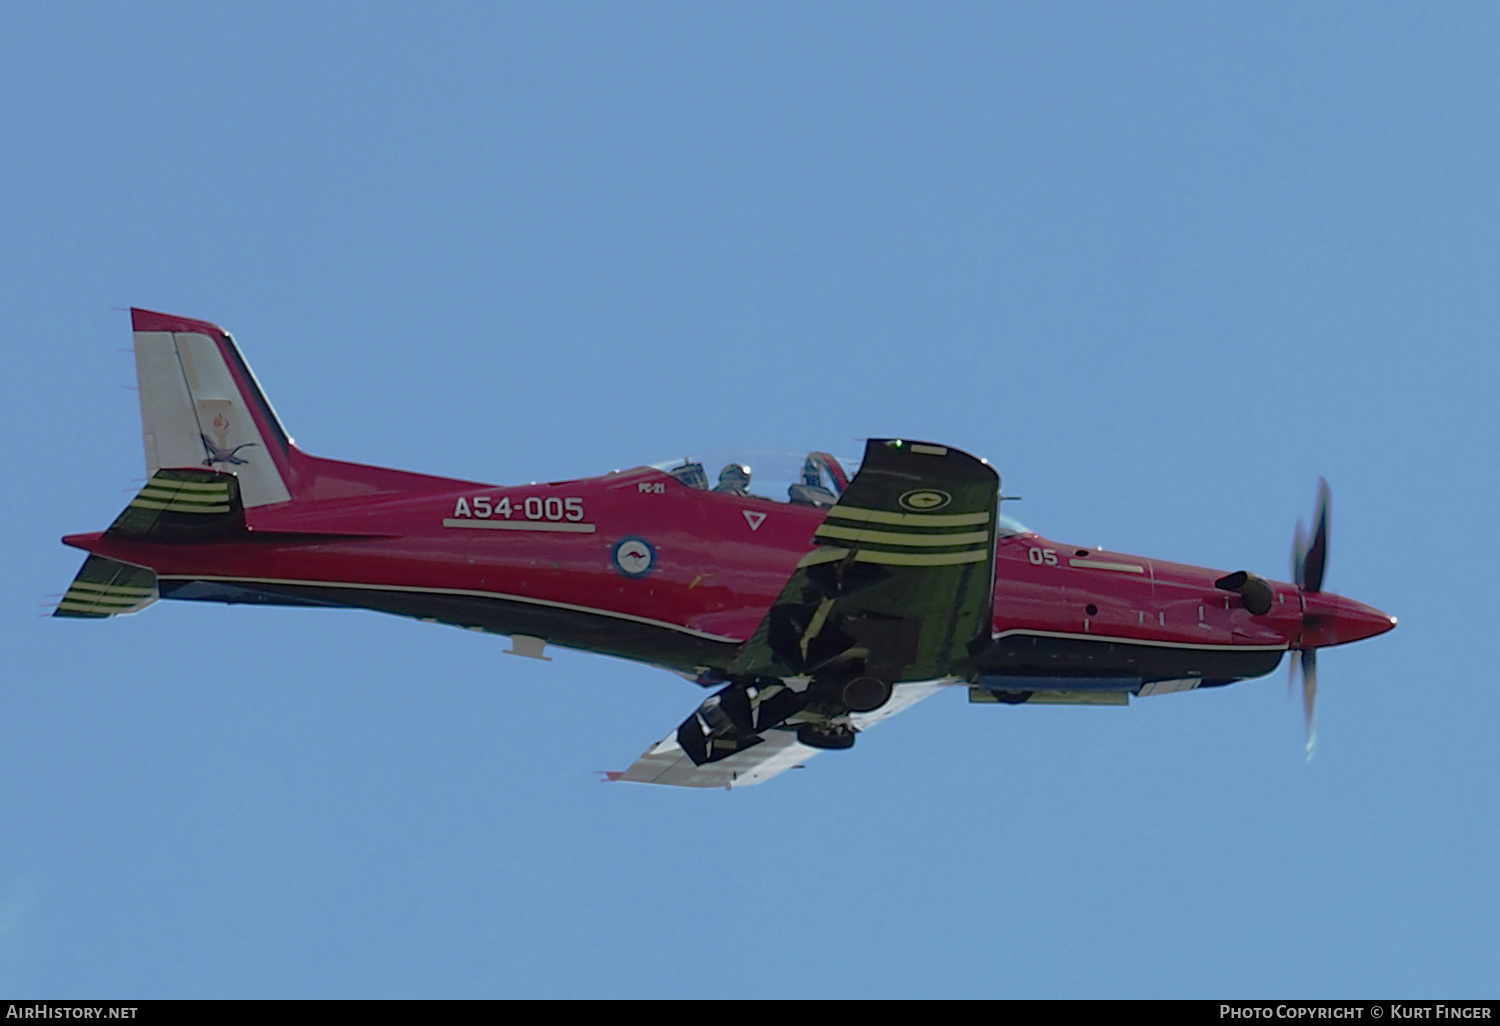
<point>1309,563</point>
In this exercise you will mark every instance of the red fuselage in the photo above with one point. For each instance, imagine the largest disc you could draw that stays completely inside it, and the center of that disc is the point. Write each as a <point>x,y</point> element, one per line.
<point>638,565</point>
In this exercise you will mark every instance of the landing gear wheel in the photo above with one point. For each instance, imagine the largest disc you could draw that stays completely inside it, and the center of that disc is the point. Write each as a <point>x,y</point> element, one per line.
<point>866,694</point>
<point>826,738</point>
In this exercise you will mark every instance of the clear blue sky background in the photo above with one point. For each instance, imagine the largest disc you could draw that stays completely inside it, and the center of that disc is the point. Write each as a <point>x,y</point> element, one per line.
<point>1163,264</point>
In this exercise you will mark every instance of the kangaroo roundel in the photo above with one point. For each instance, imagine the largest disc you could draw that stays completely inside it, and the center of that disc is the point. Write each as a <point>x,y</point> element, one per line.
<point>925,500</point>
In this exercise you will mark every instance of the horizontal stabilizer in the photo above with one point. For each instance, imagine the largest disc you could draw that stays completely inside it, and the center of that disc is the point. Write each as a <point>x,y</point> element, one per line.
<point>106,587</point>
<point>183,505</point>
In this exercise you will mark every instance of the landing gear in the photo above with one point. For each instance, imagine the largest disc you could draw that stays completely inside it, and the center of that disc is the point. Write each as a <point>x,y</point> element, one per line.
<point>829,738</point>
<point>865,694</point>
<point>831,700</point>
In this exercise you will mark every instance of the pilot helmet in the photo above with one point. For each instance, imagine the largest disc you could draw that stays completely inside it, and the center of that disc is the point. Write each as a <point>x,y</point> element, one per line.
<point>812,472</point>
<point>735,477</point>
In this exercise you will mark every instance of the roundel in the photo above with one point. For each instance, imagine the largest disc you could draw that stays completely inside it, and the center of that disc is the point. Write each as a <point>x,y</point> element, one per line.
<point>925,499</point>
<point>633,557</point>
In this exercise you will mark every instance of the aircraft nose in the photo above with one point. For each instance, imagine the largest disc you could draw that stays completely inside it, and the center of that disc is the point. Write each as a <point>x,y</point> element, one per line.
<point>1335,620</point>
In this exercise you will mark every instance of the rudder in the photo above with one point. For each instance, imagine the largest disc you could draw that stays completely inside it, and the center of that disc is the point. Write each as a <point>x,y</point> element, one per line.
<point>201,407</point>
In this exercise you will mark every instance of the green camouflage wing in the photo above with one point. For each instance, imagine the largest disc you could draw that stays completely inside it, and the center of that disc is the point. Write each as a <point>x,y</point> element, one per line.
<point>903,576</point>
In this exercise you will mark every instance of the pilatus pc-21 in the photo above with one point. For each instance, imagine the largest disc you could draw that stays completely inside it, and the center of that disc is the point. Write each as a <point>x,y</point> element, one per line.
<point>810,613</point>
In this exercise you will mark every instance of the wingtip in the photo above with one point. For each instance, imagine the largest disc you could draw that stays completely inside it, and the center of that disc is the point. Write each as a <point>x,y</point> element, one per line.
<point>153,320</point>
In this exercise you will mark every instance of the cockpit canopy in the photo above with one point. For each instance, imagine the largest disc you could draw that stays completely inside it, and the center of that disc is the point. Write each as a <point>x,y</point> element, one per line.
<point>818,481</point>
<point>816,478</point>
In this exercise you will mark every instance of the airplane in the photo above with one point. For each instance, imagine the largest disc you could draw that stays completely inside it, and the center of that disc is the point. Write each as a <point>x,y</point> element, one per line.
<point>809,617</point>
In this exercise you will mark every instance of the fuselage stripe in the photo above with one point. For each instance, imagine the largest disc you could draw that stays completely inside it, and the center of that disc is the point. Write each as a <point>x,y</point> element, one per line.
<point>1231,647</point>
<point>1100,564</point>
<point>352,586</point>
<point>521,525</point>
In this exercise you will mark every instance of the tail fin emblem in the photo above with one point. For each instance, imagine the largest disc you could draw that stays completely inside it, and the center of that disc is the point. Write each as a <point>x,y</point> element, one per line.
<point>221,453</point>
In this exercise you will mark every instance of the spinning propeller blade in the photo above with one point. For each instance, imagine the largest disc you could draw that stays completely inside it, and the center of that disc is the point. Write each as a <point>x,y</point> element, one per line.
<point>1309,564</point>
<point>1315,561</point>
<point>1299,552</point>
<point>1309,662</point>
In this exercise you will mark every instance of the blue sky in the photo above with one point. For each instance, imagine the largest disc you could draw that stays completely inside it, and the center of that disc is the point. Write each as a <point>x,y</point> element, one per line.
<point>1162,264</point>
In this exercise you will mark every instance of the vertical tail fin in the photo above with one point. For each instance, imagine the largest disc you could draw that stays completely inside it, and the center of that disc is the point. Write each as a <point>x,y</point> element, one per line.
<point>201,407</point>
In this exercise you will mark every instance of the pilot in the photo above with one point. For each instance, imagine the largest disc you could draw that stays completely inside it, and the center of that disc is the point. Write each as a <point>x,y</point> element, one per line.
<point>811,492</point>
<point>734,480</point>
